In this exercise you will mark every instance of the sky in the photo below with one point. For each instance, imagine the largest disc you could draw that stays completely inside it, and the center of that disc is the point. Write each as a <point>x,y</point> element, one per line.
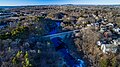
<point>56,2</point>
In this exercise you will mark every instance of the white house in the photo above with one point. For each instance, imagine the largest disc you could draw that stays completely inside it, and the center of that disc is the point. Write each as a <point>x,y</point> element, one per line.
<point>112,46</point>
<point>108,48</point>
<point>99,43</point>
<point>110,24</point>
<point>117,30</point>
<point>88,25</point>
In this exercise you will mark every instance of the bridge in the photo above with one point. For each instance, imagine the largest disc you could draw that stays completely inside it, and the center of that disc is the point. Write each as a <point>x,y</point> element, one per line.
<point>61,35</point>
<point>59,45</point>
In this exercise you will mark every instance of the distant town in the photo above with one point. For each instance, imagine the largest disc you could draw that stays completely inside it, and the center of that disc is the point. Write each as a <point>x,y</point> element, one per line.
<point>60,36</point>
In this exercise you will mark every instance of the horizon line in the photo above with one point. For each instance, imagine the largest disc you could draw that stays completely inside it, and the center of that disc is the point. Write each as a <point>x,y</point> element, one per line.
<point>58,4</point>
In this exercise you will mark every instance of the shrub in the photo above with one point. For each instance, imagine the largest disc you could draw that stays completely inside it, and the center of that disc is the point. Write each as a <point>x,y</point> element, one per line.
<point>103,63</point>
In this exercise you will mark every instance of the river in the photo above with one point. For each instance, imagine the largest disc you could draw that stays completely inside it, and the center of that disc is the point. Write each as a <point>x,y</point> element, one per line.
<point>60,47</point>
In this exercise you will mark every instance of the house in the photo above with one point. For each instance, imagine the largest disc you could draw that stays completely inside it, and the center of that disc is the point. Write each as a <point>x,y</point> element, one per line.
<point>103,29</point>
<point>99,43</point>
<point>110,24</point>
<point>88,25</point>
<point>107,34</point>
<point>109,48</point>
<point>116,42</point>
<point>117,30</point>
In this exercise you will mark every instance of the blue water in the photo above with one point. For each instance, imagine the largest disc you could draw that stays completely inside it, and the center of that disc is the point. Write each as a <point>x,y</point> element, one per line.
<point>4,7</point>
<point>60,47</point>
